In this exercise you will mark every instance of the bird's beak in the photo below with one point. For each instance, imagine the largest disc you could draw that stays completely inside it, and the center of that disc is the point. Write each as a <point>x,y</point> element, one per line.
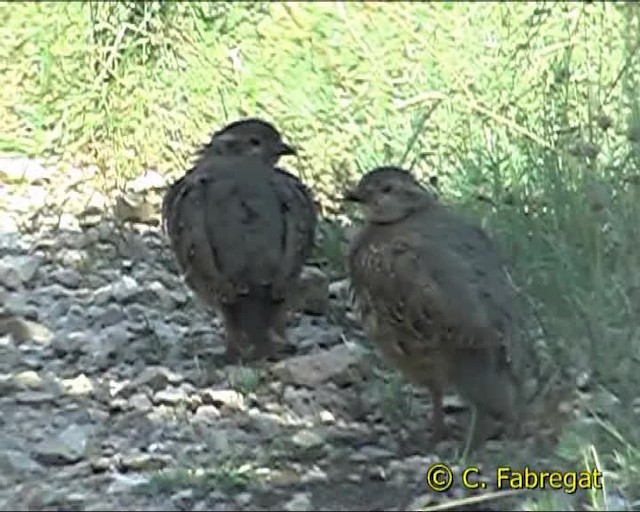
<point>286,149</point>
<point>352,195</point>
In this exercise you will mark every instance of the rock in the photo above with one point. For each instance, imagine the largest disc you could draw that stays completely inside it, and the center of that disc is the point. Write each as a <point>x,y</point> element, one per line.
<point>70,238</point>
<point>69,222</point>
<point>140,402</point>
<point>122,291</point>
<point>370,452</point>
<point>170,396</point>
<point>307,336</point>
<point>93,214</point>
<point>125,289</point>
<point>148,180</point>
<point>68,447</point>
<point>134,208</point>
<point>267,424</point>
<point>155,377</point>
<point>207,414</point>
<point>183,499</point>
<point>7,384</point>
<point>326,417</point>
<point>223,397</point>
<point>15,462</point>
<point>314,369</point>
<point>52,291</point>
<point>16,271</point>
<point>201,506</point>
<point>180,298</point>
<point>8,225</point>
<point>111,315</point>
<point>124,483</point>
<point>73,502</point>
<point>13,303</point>
<point>118,405</point>
<point>312,293</point>
<point>100,465</point>
<point>299,501</point>
<point>31,496</point>
<point>153,295</point>
<point>35,397</point>
<point>18,168</point>
<point>14,243</point>
<point>243,499</point>
<point>145,461</point>
<point>109,343</point>
<point>76,319</point>
<point>32,361</point>
<point>158,296</point>
<point>314,474</point>
<point>453,403</point>
<point>76,342</point>
<point>97,506</point>
<point>307,439</point>
<point>218,441</point>
<point>68,277</point>
<point>28,379</point>
<point>73,257</point>
<point>22,330</point>
<point>339,289</point>
<point>31,199</point>
<point>80,385</point>
<point>422,501</point>
<point>301,400</point>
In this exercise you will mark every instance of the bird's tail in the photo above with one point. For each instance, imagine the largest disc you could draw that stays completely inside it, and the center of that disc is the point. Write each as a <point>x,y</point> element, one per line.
<point>249,323</point>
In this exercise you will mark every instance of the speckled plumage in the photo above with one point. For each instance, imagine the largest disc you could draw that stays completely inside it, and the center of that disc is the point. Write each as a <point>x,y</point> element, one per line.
<point>433,295</point>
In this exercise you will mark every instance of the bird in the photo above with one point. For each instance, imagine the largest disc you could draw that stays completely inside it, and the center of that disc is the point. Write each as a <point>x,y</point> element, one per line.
<point>241,229</point>
<point>435,299</point>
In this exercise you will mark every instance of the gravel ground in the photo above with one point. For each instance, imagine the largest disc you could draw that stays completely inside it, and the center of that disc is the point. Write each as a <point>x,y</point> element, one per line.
<point>113,395</point>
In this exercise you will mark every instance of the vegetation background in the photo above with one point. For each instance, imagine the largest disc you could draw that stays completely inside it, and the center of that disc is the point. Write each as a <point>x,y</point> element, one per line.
<point>525,114</point>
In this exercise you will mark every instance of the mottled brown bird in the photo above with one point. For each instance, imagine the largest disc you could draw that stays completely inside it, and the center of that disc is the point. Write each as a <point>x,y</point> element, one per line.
<point>434,297</point>
<point>241,230</point>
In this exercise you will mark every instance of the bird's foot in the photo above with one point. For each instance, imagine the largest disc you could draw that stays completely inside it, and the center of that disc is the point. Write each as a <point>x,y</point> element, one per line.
<point>437,436</point>
<point>439,431</point>
<point>282,347</point>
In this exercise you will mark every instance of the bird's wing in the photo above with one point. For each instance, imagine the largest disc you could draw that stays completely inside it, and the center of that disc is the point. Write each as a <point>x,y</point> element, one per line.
<point>167,202</point>
<point>458,283</point>
<point>299,218</point>
<point>225,227</point>
<point>428,287</point>
<point>380,298</point>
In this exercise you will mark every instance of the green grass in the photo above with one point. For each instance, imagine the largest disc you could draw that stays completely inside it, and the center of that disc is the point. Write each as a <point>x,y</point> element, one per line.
<point>527,114</point>
<point>226,478</point>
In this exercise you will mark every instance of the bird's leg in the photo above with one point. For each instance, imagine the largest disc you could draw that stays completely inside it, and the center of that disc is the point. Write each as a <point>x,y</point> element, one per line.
<point>481,427</point>
<point>470,434</point>
<point>437,413</point>
<point>278,329</point>
<point>279,322</point>
<point>234,352</point>
<point>236,345</point>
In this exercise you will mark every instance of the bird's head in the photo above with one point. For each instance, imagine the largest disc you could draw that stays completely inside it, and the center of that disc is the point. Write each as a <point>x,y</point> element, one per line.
<point>249,137</point>
<point>389,194</point>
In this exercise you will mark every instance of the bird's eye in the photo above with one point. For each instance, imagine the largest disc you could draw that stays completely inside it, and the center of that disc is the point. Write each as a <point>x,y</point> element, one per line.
<point>254,141</point>
<point>386,189</point>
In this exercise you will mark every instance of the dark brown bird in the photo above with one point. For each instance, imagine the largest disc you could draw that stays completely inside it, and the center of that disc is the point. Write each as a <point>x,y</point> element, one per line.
<point>241,230</point>
<point>434,297</point>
